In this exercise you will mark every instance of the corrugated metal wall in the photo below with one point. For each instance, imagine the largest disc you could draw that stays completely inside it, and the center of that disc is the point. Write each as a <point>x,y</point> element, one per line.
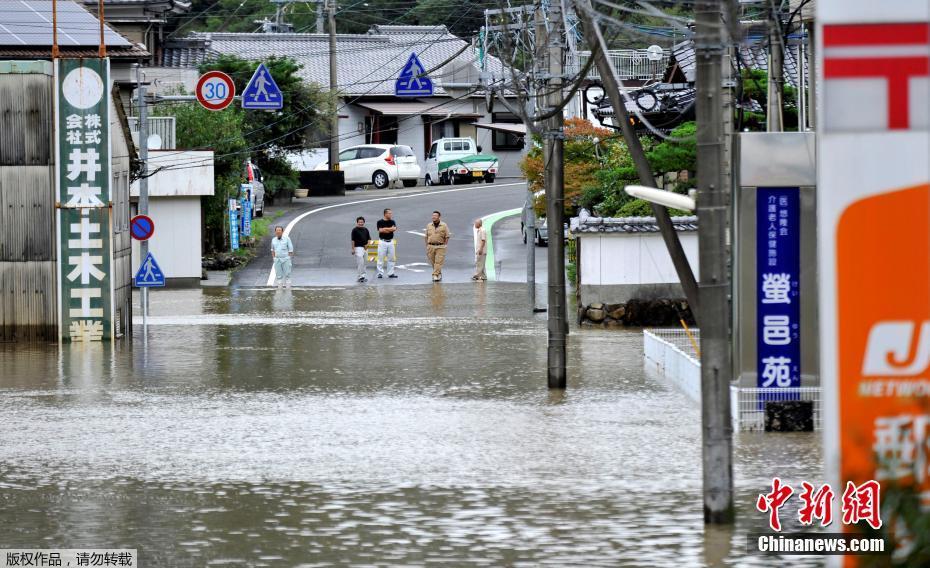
<point>28,308</point>
<point>28,293</point>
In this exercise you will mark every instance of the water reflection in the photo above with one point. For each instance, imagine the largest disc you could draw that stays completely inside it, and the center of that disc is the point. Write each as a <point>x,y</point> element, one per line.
<point>404,425</point>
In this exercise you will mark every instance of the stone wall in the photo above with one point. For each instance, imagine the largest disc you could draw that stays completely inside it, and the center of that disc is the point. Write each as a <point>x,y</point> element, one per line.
<point>636,313</point>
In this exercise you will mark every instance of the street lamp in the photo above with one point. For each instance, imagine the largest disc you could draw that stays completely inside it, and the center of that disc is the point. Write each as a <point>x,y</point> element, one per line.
<point>661,197</point>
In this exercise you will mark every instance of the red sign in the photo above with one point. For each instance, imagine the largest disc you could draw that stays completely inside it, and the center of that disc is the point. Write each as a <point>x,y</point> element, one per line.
<point>215,90</point>
<point>141,227</point>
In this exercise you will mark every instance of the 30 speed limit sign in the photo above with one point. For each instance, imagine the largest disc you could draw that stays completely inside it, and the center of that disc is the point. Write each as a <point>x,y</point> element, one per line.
<point>215,90</point>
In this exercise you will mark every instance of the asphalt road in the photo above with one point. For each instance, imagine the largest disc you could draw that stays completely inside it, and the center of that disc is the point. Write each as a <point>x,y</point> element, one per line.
<point>321,234</point>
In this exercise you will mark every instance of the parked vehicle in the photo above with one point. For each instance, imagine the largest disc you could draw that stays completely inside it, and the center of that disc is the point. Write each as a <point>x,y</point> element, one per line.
<point>253,175</point>
<point>458,160</point>
<point>380,165</point>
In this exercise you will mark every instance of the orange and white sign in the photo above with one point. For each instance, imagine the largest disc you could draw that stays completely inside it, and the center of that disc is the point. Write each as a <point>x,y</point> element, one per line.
<point>874,244</point>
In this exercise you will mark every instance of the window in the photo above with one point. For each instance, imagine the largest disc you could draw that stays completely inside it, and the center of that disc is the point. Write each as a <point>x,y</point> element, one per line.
<point>447,146</point>
<point>432,150</point>
<point>506,140</point>
<point>401,151</point>
<point>369,152</point>
<point>347,155</point>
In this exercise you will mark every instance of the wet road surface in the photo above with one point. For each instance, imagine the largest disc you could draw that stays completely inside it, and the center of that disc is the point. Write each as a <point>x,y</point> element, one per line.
<point>375,426</point>
<point>321,239</point>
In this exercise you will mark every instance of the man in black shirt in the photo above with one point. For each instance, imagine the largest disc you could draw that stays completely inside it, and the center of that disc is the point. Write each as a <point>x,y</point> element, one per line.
<point>360,239</point>
<point>386,252</point>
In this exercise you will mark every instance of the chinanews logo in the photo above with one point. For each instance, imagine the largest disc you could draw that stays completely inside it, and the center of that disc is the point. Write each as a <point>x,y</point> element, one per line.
<point>896,349</point>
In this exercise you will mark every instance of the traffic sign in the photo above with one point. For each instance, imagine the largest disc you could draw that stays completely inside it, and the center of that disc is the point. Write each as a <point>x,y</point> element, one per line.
<point>149,274</point>
<point>262,93</point>
<point>142,227</point>
<point>215,90</point>
<point>413,81</point>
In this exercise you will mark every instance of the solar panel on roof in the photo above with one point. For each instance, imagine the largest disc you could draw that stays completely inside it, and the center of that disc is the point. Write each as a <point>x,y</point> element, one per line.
<point>29,23</point>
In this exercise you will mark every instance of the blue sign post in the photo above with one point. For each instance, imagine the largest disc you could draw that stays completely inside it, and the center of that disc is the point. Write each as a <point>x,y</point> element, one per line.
<point>778,303</point>
<point>413,81</point>
<point>262,93</point>
<point>233,226</point>
<point>247,216</point>
<point>149,274</point>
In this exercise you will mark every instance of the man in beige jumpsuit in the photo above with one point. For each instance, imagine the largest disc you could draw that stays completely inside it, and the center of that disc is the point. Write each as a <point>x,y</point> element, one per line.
<point>437,237</point>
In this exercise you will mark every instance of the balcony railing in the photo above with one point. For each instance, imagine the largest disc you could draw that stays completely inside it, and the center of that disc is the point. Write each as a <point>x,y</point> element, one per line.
<point>630,64</point>
<point>164,126</point>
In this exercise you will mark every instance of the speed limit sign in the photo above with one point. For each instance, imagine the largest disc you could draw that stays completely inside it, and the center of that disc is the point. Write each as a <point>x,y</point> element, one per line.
<point>215,90</point>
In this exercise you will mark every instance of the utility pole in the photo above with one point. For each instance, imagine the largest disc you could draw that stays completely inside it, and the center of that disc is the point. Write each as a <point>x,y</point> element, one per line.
<point>717,433</point>
<point>334,128</point>
<point>554,140</point>
<point>143,180</point>
<point>319,16</point>
<point>598,46</point>
<point>774,116</point>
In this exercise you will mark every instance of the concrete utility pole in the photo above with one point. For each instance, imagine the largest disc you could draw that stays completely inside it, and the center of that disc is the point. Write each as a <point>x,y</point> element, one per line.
<point>554,140</point>
<point>716,371</point>
<point>774,116</point>
<point>334,128</point>
<point>319,17</point>
<point>598,47</point>
<point>143,180</point>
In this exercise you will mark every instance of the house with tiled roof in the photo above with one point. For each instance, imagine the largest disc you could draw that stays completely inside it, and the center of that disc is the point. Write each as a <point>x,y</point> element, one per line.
<point>367,67</point>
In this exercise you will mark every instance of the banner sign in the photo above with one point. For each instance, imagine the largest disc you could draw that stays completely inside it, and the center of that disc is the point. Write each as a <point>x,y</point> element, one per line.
<point>82,156</point>
<point>233,226</point>
<point>246,217</point>
<point>778,305</point>
<point>874,238</point>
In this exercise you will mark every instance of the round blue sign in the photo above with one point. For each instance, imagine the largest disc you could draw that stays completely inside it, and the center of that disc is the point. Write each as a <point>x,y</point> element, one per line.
<point>142,227</point>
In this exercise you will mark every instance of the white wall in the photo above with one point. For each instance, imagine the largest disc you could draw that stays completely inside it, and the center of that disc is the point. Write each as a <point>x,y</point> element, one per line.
<point>631,258</point>
<point>191,174</point>
<point>176,243</point>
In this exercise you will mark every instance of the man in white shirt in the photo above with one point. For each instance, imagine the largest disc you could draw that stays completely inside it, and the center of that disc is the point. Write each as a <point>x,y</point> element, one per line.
<point>282,249</point>
<point>481,251</point>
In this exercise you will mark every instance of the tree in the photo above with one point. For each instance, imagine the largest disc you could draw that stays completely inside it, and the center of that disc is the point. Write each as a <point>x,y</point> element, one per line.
<point>270,136</point>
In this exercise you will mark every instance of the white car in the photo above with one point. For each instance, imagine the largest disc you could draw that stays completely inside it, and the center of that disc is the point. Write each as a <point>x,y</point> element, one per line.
<point>380,165</point>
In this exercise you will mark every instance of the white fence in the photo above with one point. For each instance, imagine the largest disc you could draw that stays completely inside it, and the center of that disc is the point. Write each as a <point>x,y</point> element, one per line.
<point>629,64</point>
<point>673,353</point>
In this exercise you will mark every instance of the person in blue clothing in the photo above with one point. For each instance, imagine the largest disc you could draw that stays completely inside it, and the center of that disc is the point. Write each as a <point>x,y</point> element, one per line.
<point>282,250</point>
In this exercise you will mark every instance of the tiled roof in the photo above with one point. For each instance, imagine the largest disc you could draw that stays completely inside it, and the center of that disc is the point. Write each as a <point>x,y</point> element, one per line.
<point>10,52</point>
<point>367,63</point>
<point>754,56</point>
<point>585,223</point>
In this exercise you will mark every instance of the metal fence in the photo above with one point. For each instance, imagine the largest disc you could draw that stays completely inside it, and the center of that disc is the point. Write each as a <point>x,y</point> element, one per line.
<point>629,64</point>
<point>673,353</point>
<point>163,126</point>
<point>670,351</point>
<point>747,404</point>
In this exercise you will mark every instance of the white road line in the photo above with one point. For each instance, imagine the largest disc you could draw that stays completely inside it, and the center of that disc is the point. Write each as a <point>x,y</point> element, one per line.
<point>417,233</point>
<point>295,220</point>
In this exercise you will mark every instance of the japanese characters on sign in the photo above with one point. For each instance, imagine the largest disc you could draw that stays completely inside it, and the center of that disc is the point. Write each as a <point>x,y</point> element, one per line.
<point>233,226</point>
<point>778,266</point>
<point>83,185</point>
<point>874,246</point>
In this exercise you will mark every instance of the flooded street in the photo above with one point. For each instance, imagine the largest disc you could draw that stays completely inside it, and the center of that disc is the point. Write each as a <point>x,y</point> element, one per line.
<point>377,426</point>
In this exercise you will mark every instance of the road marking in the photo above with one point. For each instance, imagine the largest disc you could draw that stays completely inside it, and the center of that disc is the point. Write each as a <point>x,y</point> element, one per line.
<point>488,223</point>
<point>417,233</point>
<point>407,266</point>
<point>295,220</point>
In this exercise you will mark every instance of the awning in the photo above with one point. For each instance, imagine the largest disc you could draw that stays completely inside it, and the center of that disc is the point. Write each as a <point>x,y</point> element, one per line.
<point>517,128</point>
<point>435,107</point>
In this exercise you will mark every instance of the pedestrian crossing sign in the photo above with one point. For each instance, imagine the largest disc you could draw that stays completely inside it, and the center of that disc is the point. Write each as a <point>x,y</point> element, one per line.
<point>149,274</point>
<point>262,93</point>
<point>413,81</point>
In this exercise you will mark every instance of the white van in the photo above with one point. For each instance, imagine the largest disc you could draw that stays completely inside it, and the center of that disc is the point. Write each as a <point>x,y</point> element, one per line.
<point>458,160</point>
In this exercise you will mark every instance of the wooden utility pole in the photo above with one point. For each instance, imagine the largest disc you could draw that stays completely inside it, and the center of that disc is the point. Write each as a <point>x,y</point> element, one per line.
<point>334,125</point>
<point>713,213</point>
<point>553,144</point>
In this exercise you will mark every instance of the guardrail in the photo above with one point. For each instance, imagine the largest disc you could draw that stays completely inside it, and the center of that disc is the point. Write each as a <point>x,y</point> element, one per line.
<point>628,63</point>
<point>672,352</point>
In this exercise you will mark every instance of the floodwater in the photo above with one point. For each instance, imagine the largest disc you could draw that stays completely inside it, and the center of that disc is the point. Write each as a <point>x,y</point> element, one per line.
<point>368,426</point>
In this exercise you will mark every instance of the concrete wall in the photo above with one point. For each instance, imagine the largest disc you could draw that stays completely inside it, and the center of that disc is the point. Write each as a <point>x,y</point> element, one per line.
<point>177,240</point>
<point>617,267</point>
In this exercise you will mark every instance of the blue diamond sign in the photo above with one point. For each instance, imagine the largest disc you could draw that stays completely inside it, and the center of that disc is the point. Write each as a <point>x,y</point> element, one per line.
<point>262,93</point>
<point>413,81</point>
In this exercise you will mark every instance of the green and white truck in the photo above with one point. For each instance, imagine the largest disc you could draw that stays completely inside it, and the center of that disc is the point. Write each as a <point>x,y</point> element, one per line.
<point>458,160</point>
